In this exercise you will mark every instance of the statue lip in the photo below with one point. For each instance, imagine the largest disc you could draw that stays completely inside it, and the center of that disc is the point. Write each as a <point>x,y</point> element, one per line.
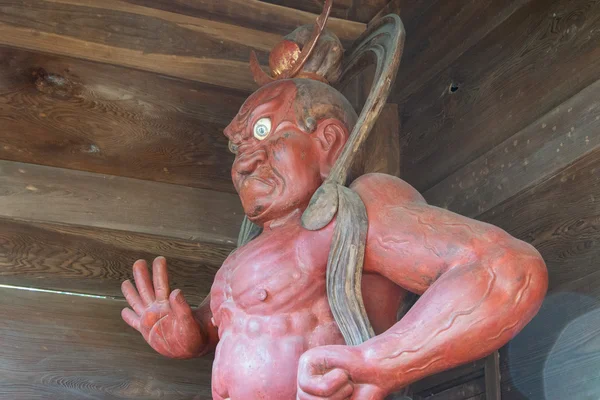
<point>267,182</point>
<point>264,181</point>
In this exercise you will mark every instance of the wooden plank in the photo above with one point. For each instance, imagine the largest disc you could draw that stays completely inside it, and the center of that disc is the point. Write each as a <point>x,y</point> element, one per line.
<point>545,147</point>
<point>341,8</point>
<point>74,114</point>
<point>366,10</point>
<point>48,194</point>
<point>440,32</point>
<point>381,152</point>
<point>121,33</point>
<point>96,261</point>
<point>270,16</point>
<point>522,70</point>
<point>492,376</point>
<point>64,347</point>
<point>382,148</point>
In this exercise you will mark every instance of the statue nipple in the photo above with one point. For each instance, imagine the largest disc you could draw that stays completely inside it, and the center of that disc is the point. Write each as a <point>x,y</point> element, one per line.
<point>261,294</point>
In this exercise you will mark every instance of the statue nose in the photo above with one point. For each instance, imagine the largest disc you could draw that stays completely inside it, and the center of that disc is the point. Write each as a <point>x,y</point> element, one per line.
<point>248,162</point>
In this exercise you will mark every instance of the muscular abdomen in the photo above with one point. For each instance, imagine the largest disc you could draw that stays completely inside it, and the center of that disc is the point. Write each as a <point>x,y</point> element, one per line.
<point>262,352</point>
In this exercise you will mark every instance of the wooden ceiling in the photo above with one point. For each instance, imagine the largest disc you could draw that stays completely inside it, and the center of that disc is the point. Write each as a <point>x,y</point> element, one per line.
<point>134,88</point>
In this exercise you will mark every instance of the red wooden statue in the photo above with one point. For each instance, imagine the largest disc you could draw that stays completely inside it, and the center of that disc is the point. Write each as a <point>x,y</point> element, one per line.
<point>308,308</point>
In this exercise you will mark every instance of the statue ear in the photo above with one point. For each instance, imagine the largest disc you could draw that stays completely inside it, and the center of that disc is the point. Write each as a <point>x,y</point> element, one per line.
<point>331,136</point>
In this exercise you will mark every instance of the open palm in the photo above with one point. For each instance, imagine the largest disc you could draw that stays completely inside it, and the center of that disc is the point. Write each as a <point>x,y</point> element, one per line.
<point>163,318</point>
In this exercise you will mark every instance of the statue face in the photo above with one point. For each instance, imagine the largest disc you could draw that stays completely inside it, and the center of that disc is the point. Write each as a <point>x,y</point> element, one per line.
<point>277,166</point>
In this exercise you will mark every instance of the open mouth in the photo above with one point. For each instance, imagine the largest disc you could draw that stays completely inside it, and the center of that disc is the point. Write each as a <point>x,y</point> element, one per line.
<point>264,181</point>
<point>263,185</point>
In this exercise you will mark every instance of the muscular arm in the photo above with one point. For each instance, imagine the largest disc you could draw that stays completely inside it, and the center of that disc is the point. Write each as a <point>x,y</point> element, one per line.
<point>479,285</point>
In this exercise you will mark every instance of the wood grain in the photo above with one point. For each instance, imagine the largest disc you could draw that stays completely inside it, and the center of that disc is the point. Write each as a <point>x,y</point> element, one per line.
<point>439,32</point>
<point>58,195</point>
<point>340,9</point>
<point>74,114</point>
<point>366,10</point>
<point>96,261</point>
<point>542,55</point>
<point>492,377</point>
<point>545,147</point>
<point>273,16</point>
<point>381,151</point>
<point>66,347</point>
<point>126,34</point>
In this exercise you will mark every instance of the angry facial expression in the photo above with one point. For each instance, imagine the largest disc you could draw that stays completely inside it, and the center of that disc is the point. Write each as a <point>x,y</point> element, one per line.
<point>277,165</point>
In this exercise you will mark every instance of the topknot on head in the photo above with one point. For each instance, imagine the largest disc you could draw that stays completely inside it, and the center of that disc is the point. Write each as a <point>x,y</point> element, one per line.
<point>309,52</point>
<point>324,63</point>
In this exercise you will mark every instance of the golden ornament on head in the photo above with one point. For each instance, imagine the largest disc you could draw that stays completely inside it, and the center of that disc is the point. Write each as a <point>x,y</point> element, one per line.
<point>287,59</point>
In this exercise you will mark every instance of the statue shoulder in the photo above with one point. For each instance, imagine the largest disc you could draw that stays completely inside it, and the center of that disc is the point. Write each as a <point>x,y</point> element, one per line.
<point>381,189</point>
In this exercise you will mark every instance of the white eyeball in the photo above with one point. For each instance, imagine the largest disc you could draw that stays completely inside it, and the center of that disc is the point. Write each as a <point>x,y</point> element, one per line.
<point>262,128</point>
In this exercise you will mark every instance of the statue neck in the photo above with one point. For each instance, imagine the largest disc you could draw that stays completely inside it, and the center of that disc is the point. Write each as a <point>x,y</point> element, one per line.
<point>292,217</point>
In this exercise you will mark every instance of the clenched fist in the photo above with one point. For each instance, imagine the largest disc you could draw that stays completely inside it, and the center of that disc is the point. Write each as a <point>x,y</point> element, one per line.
<point>335,373</point>
<point>164,318</point>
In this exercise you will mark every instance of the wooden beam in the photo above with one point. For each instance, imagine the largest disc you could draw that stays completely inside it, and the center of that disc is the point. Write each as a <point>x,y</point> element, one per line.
<point>75,114</point>
<point>277,16</point>
<point>519,72</point>
<point>366,10</point>
<point>96,261</point>
<point>548,145</point>
<point>381,152</point>
<point>125,34</point>
<point>492,376</point>
<point>64,347</point>
<point>56,195</point>
<point>341,8</point>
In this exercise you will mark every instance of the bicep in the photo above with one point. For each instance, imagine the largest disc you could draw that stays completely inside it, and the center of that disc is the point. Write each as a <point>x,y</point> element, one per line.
<point>413,244</point>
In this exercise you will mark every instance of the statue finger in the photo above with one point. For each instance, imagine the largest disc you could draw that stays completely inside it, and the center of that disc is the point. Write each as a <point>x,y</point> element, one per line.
<point>345,393</point>
<point>131,318</point>
<point>132,297</point>
<point>160,278</point>
<point>178,304</point>
<point>368,392</point>
<point>324,385</point>
<point>143,282</point>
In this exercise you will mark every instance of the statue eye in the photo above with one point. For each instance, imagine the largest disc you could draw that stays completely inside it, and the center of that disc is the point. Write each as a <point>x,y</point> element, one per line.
<point>262,128</point>
<point>233,147</point>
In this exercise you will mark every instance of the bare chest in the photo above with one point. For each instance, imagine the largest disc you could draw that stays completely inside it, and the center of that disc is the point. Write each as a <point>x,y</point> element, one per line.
<point>279,272</point>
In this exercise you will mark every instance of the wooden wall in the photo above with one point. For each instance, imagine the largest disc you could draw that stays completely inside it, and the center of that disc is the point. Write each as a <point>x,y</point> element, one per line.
<point>500,109</point>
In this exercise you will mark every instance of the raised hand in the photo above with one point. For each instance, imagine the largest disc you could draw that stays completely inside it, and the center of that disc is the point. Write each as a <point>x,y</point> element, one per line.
<point>164,318</point>
<point>335,373</point>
